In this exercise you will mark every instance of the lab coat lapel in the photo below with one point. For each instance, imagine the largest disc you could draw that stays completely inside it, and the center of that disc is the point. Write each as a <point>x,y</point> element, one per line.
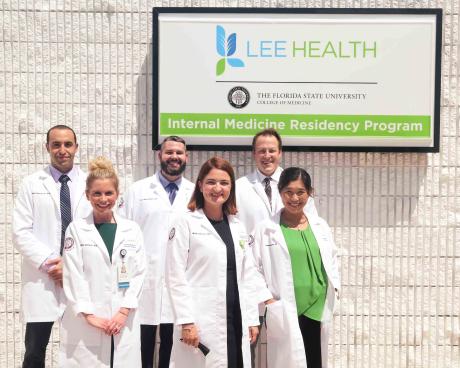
<point>234,229</point>
<point>51,187</point>
<point>183,193</point>
<point>260,191</point>
<point>238,247</point>
<point>120,235</point>
<point>91,228</point>
<point>317,229</point>
<point>159,191</point>
<point>80,187</point>
<point>204,222</point>
<point>276,236</point>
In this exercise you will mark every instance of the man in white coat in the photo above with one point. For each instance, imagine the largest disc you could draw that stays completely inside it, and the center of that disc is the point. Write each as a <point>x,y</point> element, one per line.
<point>257,193</point>
<point>46,203</point>
<point>152,202</point>
<point>257,196</point>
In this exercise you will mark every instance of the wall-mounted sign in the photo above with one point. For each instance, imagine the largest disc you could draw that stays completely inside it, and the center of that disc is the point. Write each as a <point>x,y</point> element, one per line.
<point>326,79</point>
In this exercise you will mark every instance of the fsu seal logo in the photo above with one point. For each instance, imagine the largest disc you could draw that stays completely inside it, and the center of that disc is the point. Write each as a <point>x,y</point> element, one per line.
<point>238,97</point>
<point>68,244</point>
<point>172,233</point>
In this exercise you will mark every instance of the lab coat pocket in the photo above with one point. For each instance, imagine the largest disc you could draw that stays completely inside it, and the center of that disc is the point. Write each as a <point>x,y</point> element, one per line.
<point>275,320</point>
<point>205,312</point>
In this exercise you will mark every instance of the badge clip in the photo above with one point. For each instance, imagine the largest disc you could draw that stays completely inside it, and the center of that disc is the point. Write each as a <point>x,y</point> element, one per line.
<point>123,274</point>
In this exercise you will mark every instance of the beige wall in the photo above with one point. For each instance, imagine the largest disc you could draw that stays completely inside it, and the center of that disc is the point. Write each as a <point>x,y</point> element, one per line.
<point>396,217</point>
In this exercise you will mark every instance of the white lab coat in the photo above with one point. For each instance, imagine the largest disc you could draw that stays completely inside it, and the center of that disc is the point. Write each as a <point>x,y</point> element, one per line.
<point>36,235</point>
<point>91,286</point>
<point>147,203</point>
<point>252,202</point>
<point>284,339</point>
<point>254,207</point>
<point>196,274</point>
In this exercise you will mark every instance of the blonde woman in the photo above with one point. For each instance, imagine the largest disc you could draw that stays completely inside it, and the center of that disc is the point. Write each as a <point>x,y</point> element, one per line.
<point>103,274</point>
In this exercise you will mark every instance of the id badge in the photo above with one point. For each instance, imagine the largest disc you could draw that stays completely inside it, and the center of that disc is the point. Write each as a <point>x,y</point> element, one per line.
<point>123,272</point>
<point>123,277</point>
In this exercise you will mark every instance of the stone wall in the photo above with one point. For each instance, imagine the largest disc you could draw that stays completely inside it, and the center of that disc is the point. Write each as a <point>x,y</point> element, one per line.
<point>395,217</point>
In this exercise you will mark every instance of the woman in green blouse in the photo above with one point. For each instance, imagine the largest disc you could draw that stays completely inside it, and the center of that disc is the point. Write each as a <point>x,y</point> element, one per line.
<point>296,255</point>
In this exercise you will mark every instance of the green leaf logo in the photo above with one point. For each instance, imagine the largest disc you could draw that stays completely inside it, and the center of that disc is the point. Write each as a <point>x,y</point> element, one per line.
<point>220,67</point>
<point>226,47</point>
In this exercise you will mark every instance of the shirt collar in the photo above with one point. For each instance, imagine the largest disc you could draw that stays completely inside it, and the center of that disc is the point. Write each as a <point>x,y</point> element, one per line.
<point>164,182</point>
<point>275,176</point>
<point>56,174</point>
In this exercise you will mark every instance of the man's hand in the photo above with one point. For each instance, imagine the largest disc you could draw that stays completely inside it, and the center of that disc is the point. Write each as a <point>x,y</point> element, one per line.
<point>253,333</point>
<point>55,269</point>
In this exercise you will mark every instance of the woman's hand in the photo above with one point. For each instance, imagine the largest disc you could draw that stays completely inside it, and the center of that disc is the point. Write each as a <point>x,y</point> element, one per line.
<point>253,333</point>
<point>269,301</point>
<point>190,335</point>
<point>117,322</point>
<point>97,322</point>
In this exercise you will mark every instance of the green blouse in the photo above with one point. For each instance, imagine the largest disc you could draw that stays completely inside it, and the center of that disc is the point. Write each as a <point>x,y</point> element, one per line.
<point>310,278</point>
<point>107,232</point>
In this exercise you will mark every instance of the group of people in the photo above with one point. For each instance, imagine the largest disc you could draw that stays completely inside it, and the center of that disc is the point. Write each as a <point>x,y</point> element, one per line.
<point>205,264</point>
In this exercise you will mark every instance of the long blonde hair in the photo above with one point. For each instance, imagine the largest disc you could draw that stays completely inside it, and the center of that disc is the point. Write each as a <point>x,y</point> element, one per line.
<point>101,168</point>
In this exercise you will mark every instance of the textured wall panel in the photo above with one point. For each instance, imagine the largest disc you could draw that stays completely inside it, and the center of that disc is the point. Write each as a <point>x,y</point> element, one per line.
<point>395,217</point>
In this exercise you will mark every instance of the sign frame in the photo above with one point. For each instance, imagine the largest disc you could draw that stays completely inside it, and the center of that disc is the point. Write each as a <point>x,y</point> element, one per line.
<point>437,12</point>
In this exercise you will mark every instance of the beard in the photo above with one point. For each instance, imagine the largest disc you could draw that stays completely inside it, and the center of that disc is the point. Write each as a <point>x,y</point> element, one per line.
<point>169,170</point>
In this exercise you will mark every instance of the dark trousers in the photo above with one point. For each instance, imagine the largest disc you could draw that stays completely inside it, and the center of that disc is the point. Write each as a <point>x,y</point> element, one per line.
<point>148,333</point>
<point>234,339</point>
<point>311,334</point>
<point>36,340</point>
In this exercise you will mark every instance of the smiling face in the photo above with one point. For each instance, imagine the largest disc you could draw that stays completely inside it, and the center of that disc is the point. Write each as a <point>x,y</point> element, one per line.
<point>267,154</point>
<point>216,188</point>
<point>102,195</point>
<point>173,159</point>
<point>294,196</point>
<point>62,148</point>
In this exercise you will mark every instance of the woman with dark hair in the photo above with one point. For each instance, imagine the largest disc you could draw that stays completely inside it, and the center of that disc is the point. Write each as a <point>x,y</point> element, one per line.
<point>296,255</point>
<point>208,270</point>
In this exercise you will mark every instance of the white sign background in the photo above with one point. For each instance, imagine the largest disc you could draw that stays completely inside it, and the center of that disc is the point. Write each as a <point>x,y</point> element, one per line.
<point>400,80</point>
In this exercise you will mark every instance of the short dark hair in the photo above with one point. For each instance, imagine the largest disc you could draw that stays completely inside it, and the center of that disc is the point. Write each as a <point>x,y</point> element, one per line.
<point>173,138</point>
<point>267,132</point>
<point>197,200</point>
<point>292,174</point>
<point>62,127</point>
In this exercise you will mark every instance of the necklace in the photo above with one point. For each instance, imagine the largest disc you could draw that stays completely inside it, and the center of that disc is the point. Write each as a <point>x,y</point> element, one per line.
<point>295,225</point>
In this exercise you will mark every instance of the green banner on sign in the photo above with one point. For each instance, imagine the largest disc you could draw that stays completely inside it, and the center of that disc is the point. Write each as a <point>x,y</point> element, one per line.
<point>296,125</point>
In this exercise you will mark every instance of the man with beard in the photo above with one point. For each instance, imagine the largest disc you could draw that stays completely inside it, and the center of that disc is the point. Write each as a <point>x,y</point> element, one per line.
<point>153,202</point>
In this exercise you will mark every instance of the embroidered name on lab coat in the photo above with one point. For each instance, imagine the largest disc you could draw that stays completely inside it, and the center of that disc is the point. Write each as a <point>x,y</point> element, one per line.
<point>130,245</point>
